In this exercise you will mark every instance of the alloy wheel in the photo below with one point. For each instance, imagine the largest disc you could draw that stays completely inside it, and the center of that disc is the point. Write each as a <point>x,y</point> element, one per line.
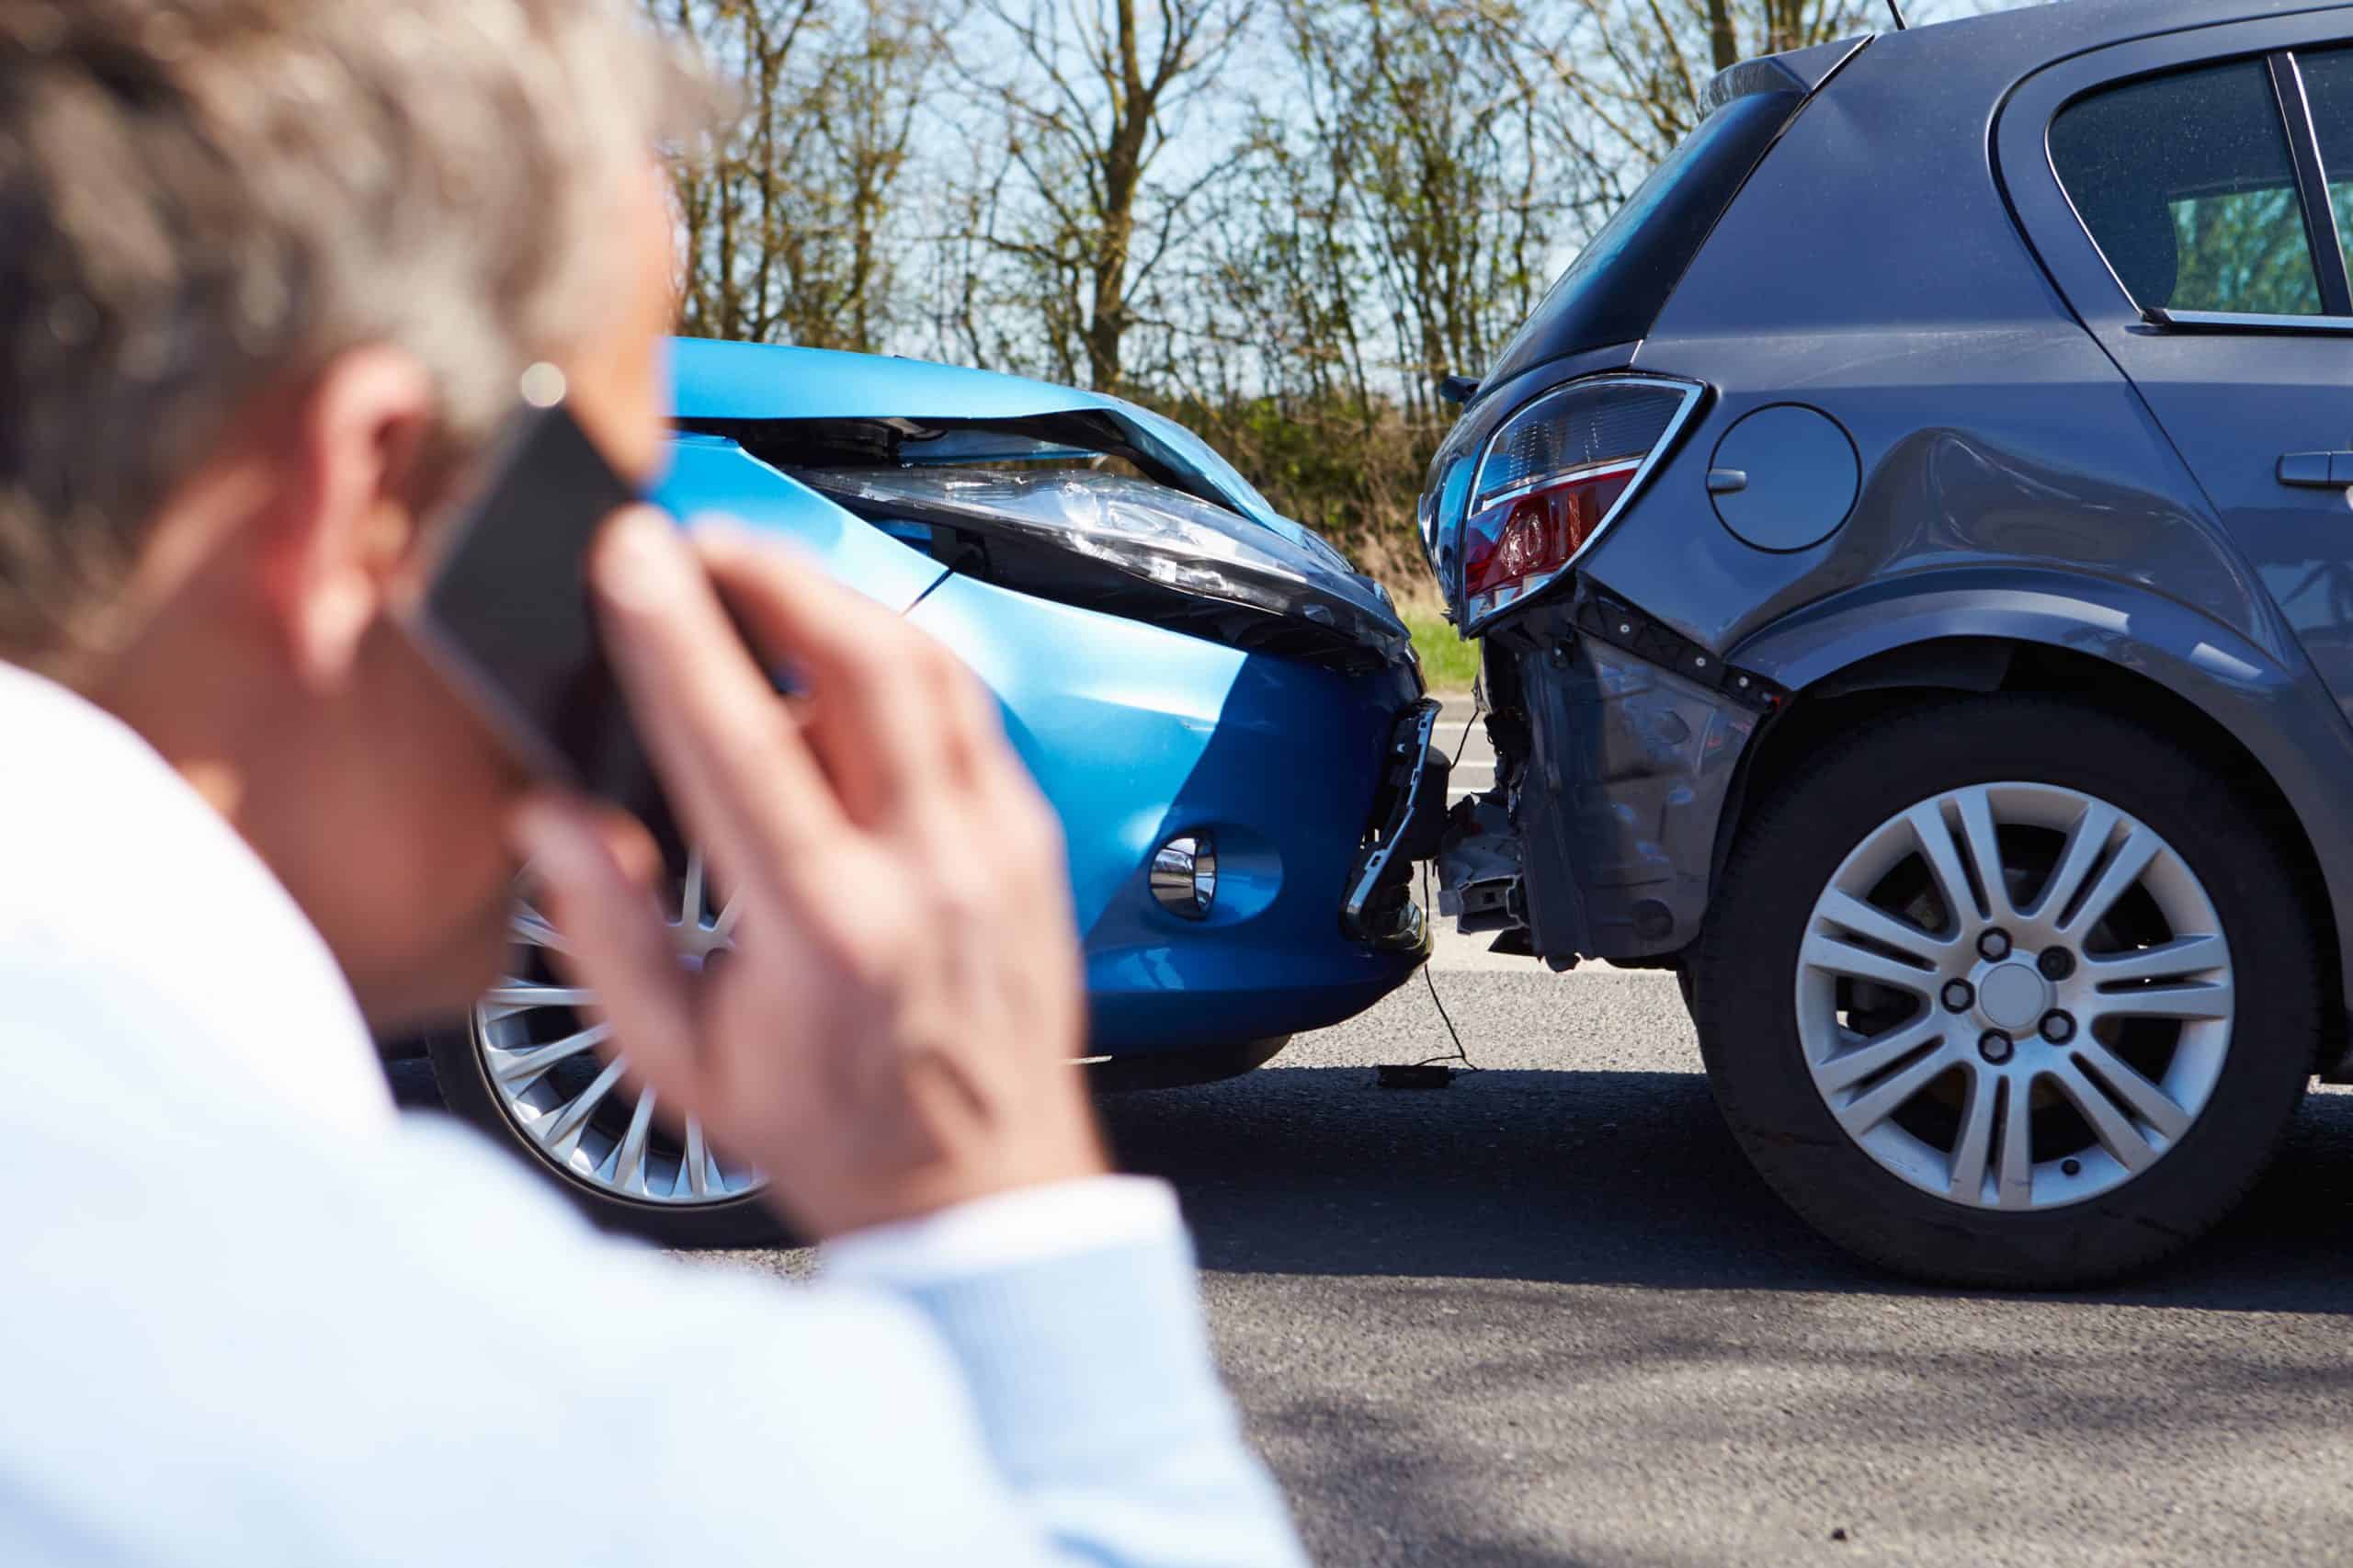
<point>2014,996</point>
<point>570,1105</point>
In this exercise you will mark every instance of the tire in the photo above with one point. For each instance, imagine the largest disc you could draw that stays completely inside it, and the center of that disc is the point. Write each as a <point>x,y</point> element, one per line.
<point>2224,1034</point>
<point>533,1015</point>
<point>461,1069</point>
<point>526,1070</point>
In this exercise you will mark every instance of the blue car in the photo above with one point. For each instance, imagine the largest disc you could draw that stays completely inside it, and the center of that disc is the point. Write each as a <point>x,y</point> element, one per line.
<point>1229,719</point>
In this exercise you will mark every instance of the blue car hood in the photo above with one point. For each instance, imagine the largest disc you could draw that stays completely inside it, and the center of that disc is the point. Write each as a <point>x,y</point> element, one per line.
<point>1210,556</point>
<point>753,381</point>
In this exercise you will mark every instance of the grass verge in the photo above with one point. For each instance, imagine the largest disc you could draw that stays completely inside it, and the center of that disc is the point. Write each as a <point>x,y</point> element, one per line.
<point>1449,664</point>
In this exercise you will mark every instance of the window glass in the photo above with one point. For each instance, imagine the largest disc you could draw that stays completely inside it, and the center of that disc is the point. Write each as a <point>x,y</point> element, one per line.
<point>2328,85</point>
<point>2187,184</point>
<point>1615,288</point>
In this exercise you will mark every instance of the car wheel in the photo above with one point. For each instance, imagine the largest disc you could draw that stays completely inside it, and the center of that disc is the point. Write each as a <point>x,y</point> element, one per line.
<point>526,1071</point>
<point>2008,992</point>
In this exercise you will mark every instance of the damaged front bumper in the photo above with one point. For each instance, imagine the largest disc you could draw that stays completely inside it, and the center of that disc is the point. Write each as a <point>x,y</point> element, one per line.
<point>1618,745</point>
<point>1173,660</point>
<point>1408,823</point>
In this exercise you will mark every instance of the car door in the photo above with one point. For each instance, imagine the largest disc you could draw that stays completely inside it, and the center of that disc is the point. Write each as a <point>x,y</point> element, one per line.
<point>2185,191</point>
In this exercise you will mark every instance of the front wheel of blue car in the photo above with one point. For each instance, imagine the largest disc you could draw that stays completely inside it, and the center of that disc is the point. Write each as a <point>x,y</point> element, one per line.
<point>533,1070</point>
<point>528,1071</point>
<point>2008,992</point>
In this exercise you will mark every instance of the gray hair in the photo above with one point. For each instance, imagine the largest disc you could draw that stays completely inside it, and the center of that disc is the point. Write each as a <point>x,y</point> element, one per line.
<point>200,200</point>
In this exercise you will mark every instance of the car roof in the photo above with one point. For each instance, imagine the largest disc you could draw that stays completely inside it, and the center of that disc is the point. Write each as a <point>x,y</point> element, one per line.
<point>2010,44</point>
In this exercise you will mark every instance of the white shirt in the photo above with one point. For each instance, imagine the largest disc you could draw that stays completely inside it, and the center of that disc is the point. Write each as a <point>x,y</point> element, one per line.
<point>254,1315</point>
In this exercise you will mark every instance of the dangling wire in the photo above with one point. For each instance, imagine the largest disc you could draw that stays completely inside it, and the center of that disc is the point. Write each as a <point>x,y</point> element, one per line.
<point>1478,707</point>
<point>1458,1054</point>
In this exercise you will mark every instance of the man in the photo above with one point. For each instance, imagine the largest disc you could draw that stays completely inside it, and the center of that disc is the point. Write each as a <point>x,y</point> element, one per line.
<point>269,271</point>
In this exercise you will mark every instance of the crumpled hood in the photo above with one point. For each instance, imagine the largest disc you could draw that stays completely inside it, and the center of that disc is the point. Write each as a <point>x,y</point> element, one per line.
<point>750,380</point>
<point>999,478</point>
<point>1143,550</point>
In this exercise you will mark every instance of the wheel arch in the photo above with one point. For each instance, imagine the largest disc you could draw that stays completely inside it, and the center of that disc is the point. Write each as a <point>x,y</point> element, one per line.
<point>2269,721</point>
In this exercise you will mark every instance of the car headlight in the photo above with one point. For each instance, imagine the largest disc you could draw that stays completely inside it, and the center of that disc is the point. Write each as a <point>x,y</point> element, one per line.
<point>1558,472</point>
<point>1126,545</point>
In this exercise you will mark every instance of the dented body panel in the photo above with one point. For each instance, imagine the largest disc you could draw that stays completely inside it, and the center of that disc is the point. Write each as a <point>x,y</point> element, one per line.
<point>1619,774</point>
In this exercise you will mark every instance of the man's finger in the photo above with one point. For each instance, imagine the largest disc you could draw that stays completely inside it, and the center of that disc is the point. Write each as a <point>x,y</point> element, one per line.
<point>614,941</point>
<point>736,766</point>
<point>872,715</point>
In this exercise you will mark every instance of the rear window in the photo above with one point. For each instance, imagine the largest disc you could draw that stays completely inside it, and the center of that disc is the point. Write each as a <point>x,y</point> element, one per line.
<point>2188,188</point>
<point>1620,282</point>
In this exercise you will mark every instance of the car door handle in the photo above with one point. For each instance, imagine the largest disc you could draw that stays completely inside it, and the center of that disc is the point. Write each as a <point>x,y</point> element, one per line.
<point>2317,471</point>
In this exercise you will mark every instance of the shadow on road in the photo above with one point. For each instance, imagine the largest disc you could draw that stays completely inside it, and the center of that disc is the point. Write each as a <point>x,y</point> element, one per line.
<point>1602,1177</point>
<point>1613,1177</point>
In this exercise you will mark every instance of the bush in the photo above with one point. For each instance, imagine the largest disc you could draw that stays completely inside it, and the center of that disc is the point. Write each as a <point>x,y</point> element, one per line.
<point>1350,469</point>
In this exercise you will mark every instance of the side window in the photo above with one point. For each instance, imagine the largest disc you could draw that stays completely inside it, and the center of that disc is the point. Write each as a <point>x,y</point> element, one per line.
<point>2328,87</point>
<point>2188,187</point>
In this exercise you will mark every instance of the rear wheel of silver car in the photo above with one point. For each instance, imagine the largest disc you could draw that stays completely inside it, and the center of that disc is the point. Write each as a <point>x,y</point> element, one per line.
<point>2008,992</point>
<point>527,1069</point>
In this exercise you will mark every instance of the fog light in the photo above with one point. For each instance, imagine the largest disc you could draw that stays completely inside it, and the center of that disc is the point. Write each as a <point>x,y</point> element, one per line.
<point>1184,875</point>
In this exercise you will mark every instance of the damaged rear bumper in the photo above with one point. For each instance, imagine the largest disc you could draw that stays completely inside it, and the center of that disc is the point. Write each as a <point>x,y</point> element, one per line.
<point>1615,762</point>
<point>1480,876</point>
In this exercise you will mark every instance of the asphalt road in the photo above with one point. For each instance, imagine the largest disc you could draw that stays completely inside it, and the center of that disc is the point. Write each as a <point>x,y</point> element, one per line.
<point>1547,1316</point>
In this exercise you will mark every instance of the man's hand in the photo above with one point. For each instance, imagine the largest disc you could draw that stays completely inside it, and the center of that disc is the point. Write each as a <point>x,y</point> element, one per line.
<point>895,1028</point>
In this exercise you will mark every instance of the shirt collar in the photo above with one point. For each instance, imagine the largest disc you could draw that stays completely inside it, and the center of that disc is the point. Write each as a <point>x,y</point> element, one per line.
<point>120,868</point>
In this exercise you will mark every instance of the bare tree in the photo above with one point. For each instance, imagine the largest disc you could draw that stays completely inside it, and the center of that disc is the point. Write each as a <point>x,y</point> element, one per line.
<point>1095,96</point>
<point>1391,213</point>
<point>788,225</point>
<point>868,100</point>
<point>1283,221</point>
<point>1633,74</point>
<point>730,191</point>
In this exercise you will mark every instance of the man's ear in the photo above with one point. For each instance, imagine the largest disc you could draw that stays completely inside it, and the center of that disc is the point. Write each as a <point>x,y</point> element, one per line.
<point>346,518</point>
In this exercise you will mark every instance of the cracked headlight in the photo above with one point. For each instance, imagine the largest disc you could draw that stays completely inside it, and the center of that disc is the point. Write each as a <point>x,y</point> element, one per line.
<point>1130,546</point>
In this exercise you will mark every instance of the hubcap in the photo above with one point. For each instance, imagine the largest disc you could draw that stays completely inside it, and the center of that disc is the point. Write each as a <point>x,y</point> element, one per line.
<point>2057,1077</point>
<point>2012,996</point>
<point>540,1056</point>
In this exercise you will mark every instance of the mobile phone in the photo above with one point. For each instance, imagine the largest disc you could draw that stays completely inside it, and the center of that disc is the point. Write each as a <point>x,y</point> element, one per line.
<point>505,611</point>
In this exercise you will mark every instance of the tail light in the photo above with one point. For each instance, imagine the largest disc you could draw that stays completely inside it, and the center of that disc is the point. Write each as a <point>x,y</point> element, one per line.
<point>1557,473</point>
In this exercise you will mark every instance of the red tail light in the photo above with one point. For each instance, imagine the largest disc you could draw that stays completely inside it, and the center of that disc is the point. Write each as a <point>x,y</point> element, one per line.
<point>1543,529</point>
<point>1554,475</point>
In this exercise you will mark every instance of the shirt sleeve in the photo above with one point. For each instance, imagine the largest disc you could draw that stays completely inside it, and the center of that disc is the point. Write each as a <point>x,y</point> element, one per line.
<point>1008,1230</point>
<point>1073,1313</point>
<point>1023,1380</point>
<point>385,1343</point>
